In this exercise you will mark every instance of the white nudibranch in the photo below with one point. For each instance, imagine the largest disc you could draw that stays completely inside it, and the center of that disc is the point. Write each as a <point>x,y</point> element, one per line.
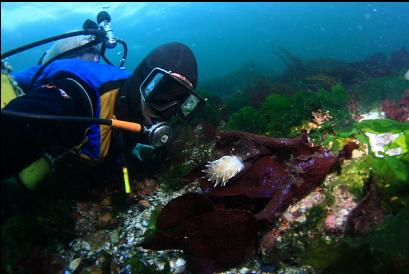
<point>223,169</point>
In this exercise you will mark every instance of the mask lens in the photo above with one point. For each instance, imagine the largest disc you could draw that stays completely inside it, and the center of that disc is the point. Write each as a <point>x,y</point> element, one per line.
<point>151,85</point>
<point>189,105</point>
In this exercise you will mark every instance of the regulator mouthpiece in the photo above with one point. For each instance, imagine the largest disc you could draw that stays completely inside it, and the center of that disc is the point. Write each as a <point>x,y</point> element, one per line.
<point>159,134</point>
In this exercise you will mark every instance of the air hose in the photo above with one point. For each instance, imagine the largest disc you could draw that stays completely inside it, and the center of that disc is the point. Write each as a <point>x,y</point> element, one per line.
<point>124,125</point>
<point>98,33</point>
<point>159,135</point>
<point>124,55</point>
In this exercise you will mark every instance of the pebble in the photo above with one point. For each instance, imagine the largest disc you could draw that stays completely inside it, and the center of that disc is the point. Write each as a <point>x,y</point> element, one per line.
<point>301,219</point>
<point>161,266</point>
<point>344,212</point>
<point>180,262</point>
<point>144,203</point>
<point>130,239</point>
<point>115,236</point>
<point>268,268</point>
<point>244,270</point>
<point>80,246</point>
<point>177,266</point>
<point>74,264</point>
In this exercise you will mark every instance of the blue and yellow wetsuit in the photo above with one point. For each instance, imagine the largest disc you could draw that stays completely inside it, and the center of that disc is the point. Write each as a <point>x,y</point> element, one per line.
<point>66,87</point>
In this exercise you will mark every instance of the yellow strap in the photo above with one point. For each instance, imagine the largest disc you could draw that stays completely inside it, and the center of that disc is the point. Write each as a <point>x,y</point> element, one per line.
<point>35,173</point>
<point>7,90</point>
<point>126,180</point>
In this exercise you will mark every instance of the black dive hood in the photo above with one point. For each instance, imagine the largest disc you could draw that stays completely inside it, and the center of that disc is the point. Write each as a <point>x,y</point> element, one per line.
<point>175,57</point>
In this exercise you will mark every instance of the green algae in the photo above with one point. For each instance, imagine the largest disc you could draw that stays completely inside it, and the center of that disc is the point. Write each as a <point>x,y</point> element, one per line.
<point>247,119</point>
<point>354,174</point>
<point>279,114</point>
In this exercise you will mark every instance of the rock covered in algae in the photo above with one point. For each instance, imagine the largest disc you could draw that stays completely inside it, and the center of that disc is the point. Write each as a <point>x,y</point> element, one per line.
<point>218,229</point>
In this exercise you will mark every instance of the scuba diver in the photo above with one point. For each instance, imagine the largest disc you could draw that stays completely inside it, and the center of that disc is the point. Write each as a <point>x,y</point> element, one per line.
<point>76,111</point>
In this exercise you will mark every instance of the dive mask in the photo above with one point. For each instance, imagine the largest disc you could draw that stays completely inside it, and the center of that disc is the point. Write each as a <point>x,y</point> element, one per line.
<point>169,96</point>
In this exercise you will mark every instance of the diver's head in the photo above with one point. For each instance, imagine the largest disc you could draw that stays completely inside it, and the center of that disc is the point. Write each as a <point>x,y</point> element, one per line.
<point>163,84</point>
<point>89,54</point>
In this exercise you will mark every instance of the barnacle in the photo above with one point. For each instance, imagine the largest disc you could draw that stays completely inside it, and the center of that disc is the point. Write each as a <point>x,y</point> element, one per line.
<point>223,169</point>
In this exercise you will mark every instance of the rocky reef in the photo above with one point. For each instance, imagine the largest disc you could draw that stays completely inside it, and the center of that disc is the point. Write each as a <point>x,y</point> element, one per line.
<point>319,176</point>
<point>218,228</point>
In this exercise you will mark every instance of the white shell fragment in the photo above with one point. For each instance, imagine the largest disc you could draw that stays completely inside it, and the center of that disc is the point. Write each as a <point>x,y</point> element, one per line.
<point>74,264</point>
<point>223,169</point>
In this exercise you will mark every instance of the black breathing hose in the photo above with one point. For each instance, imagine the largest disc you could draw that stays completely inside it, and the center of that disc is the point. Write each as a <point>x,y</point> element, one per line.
<point>51,39</point>
<point>123,125</point>
<point>125,55</point>
<point>57,118</point>
<point>103,50</point>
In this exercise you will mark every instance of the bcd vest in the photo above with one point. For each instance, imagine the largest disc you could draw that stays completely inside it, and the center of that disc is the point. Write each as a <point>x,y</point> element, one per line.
<point>101,83</point>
